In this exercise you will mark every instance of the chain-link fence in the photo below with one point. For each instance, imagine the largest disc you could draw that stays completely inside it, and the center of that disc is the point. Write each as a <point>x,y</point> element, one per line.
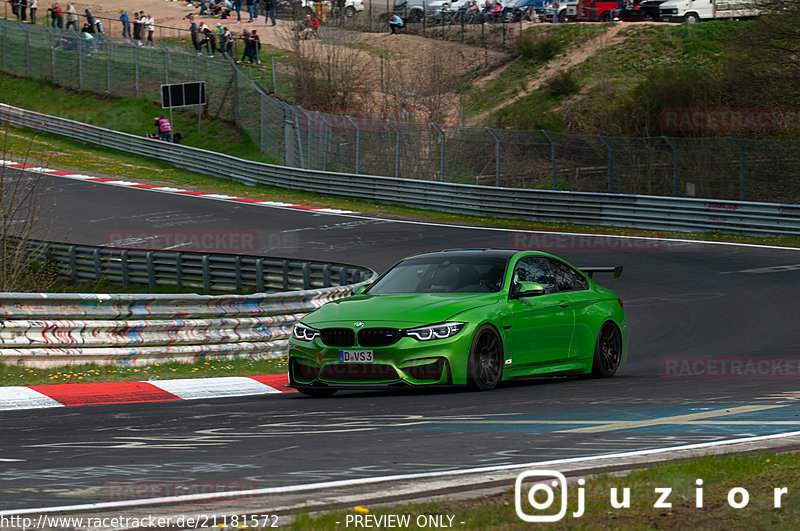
<point>720,168</point>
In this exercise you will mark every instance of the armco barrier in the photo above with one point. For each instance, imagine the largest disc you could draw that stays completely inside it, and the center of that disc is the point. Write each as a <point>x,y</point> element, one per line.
<point>202,272</point>
<point>50,330</point>
<point>637,211</point>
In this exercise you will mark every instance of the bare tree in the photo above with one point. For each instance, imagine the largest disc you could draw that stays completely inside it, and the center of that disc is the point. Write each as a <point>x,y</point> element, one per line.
<point>25,219</point>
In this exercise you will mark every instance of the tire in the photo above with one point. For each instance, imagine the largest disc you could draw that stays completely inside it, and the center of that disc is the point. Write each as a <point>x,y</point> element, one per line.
<point>349,11</point>
<point>691,18</point>
<point>317,393</point>
<point>485,363</point>
<point>607,351</point>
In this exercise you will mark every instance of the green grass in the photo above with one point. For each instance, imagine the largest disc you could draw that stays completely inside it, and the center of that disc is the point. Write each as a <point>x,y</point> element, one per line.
<point>759,474</point>
<point>92,373</point>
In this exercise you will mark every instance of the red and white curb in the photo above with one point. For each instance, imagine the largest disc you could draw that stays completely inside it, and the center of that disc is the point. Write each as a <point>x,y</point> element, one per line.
<point>169,189</point>
<point>83,394</point>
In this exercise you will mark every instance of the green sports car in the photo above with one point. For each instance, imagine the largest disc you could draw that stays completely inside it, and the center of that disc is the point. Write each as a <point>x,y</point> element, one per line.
<point>462,317</point>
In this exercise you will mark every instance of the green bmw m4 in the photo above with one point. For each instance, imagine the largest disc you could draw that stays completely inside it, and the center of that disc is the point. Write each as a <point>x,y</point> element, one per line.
<point>462,317</point>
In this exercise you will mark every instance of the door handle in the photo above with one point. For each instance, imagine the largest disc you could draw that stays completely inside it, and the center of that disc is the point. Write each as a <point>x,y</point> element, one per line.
<point>563,303</point>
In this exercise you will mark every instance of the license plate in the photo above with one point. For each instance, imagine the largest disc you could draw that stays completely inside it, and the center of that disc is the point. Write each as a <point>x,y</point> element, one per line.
<point>355,356</point>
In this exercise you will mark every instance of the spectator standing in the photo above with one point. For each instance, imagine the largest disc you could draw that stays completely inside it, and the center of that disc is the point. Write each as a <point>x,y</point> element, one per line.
<point>342,11</point>
<point>22,10</point>
<point>256,46</point>
<point>89,18</point>
<point>237,6</point>
<point>227,43</point>
<point>33,5</point>
<point>56,16</point>
<point>269,11</point>
<point>72,16</point>
<point>126,24</point>
<point>164,128</point>
<point>194,31</point>
<point>150,23</point>
<point>248,4</point>
<point>247,46</point>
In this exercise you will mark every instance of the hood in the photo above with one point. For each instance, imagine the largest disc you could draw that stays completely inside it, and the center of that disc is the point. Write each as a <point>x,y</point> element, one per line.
<point>403,310</point>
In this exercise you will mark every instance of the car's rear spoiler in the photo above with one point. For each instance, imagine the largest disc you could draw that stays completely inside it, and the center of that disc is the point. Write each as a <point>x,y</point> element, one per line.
<point>617,270</point>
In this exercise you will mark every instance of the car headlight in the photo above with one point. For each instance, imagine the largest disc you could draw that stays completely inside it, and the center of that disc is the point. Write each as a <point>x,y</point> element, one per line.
<point>304,333</point>
<point>434,331</point>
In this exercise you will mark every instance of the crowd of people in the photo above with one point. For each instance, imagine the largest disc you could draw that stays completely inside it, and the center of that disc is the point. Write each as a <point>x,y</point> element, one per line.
<point>142,24</point>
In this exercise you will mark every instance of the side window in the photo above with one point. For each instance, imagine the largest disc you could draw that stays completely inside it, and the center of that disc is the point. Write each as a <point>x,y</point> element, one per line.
<point>567,278</point>
<point>536,269</point>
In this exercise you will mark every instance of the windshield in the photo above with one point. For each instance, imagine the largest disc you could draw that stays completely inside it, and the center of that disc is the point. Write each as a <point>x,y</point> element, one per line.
<point>443,274</point>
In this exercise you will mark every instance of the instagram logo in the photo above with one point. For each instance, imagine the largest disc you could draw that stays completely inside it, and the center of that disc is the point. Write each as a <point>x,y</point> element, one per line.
<point>539,503</point>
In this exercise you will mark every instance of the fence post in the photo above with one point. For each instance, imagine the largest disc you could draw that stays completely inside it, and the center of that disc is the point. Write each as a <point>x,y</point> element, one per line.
<point>206,274</point>
<point>260,275</point>
<point>151,270</point>
<point>285,275</point>
<point>441,151</point>
<point>125,271</point>
<point>80,63</point>
<point>261,136</point>
<point>742,168</point>
<point>327,143</point>
<point>306,276</point>
<point>274,77</point>
<point>166,66</point>
<point>108,65</point>
<point>396,148</point>
<point>73,266</point>
<point>308,136</point>
<point>179,271</point>
<point>27,52</point>
<point>326,276</point>
<point>97,264</point>
<point>358,141</point>
<point>610,163</point>
<point>675,167</point>
<point>136,67</point>
<point>288,137</point>
<point>552,157</point>
<point>496,156</point>
<point>52,50</point>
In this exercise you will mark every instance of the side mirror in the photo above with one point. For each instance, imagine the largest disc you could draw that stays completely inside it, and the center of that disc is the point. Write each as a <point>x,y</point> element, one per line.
<point>527,289</point>
<point>361,289</point>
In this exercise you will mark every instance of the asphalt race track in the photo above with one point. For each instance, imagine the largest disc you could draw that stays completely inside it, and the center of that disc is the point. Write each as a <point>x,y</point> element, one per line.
<point>684,300</point>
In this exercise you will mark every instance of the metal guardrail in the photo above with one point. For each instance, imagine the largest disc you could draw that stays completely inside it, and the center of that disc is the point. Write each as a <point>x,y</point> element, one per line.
<point>203,272</point>
<point>620,210</point>
<point>51,330</point>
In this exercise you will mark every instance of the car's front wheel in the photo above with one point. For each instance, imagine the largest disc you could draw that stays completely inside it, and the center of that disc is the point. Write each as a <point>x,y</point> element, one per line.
<point>485,363</point>
<point>607,351</point>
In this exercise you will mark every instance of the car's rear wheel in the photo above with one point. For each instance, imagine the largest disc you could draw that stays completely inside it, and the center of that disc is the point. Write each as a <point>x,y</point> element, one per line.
<point>485,364</point>
<point>349,11</point>
<point>317,393</point>
<point>607,351</point>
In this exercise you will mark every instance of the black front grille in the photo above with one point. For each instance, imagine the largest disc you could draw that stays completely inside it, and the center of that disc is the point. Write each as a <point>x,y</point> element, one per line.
<point>379,337</point>
<point>338,337</point>
<point>358,371</point>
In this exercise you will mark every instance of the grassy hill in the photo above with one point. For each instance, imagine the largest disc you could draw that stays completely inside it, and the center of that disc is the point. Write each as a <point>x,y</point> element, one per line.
<point>615,79</point>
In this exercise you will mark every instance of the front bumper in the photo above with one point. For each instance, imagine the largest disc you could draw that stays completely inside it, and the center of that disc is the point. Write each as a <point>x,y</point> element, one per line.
<point>407,363</point>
